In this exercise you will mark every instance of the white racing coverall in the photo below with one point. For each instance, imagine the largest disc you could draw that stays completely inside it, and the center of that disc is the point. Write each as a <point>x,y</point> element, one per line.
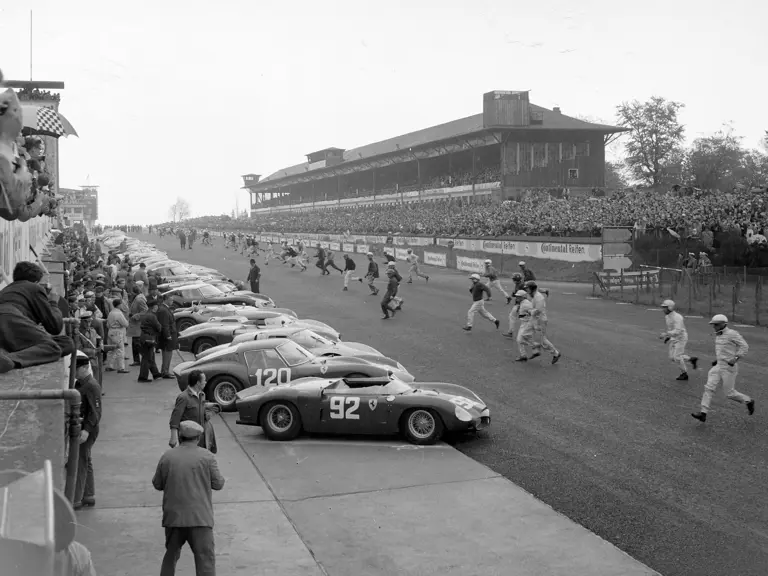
<point>539,303</point>
<point>413,260</point>
<point>728,345</point>
<point>678,339</point>
<point>493,280</point>
<point>526,330</point>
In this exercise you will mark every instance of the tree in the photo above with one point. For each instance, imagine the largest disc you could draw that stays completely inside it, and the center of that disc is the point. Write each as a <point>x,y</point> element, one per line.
<point>656,137</point>
<point>179,210</point>
<point>754,170</point>
<point>615,178</point>
<point>715,162</point>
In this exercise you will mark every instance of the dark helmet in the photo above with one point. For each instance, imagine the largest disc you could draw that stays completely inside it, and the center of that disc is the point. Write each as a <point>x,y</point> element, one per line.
<point>531,285</point>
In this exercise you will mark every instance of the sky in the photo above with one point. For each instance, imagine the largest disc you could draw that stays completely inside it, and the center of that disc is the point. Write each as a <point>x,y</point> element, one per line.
<point>180,98</point>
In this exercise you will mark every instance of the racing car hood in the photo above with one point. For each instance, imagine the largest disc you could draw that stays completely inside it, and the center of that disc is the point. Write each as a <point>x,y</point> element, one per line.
<point>346,361</point>
<point>449,390</point>
<point>360,348</point>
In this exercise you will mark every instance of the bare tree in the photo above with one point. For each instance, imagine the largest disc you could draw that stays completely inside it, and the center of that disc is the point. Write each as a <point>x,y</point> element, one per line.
<point>655,140</point>
<point>179,210</point>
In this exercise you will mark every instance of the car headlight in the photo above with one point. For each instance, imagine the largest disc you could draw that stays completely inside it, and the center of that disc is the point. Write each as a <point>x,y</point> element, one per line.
<point>462,414</point>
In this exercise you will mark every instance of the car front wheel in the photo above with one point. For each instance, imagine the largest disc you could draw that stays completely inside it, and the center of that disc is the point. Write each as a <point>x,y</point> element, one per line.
<point>280,421</point>
<point>422,426</point>
<point>203,344</point>
<point>184,323</point>
<point>223,390</point>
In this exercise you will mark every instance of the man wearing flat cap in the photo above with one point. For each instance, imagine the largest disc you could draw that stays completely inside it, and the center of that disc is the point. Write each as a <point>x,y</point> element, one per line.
<point>187,475</point>
<point>150,336</point>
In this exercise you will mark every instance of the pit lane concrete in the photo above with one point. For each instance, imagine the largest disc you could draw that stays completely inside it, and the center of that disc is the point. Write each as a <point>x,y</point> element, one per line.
<point>326,506</point>
<point>604,436</point>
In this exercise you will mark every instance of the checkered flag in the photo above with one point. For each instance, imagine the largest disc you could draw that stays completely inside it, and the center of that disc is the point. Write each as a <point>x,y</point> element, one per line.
<point>48,122</point>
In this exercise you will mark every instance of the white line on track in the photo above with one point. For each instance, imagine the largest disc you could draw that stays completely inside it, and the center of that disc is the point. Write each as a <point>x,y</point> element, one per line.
<point>570,293</point>
<point>353,443</point>
<point>593,298</point>
<point>623,303</point>
<point>694,316</point>
<point>744,325</point>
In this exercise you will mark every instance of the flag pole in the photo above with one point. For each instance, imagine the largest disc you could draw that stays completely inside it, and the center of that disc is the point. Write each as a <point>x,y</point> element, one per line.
<point>30,45</point>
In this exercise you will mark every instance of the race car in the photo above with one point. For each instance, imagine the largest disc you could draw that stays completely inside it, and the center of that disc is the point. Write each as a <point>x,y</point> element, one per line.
<point>187,295</point>
<point>312,341</point>
<point>219,329</point>
<point>226,288</point>
<point>273,362</point>
<point>420,411</point>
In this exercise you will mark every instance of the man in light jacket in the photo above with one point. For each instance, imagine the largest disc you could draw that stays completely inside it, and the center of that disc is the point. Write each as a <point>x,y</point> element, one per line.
<point>187,475</point>
<point>117,324</point>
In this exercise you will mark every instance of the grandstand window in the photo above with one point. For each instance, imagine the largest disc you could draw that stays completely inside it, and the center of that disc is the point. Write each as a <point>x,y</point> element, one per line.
<point>569,151</point>
<point>581,149</point>
<point>539,155</point>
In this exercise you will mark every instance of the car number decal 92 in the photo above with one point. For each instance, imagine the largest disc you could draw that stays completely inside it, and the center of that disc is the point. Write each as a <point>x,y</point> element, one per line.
<point>344,408</point>
<point>462,402</point>
<point>272,376</point>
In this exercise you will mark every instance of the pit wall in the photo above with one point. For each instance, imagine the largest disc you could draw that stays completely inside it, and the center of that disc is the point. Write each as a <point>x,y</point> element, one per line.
<point>578,257</point>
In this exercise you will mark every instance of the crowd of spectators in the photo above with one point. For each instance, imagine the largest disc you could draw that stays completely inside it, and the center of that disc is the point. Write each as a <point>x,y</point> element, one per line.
<point>27,94</point>
<point>538,213</point>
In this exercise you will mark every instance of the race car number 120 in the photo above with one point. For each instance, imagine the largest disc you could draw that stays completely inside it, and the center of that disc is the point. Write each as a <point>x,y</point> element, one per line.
<point>272,376</point>
<point>344,408</point>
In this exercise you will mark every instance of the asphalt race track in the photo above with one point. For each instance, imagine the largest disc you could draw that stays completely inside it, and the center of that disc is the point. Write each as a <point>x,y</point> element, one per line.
<point>604,436</point>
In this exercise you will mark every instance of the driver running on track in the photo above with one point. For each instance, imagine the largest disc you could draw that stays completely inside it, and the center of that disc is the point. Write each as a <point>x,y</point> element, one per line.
<point>677,337</point>
<point>493,280</point>
<point>539,303</point>
<point>730,347</point>
<point>526,325</point>
<point>413,260</point>
<point>478,289</point>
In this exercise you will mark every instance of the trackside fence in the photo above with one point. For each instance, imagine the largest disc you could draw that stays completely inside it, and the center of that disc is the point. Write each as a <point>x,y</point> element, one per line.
<point>735,292</point>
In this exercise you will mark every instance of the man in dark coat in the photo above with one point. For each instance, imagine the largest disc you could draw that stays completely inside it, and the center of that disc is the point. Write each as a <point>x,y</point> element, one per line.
<point>254,276</point>
<point>24,305</point>
<point>150,336</point>
<point>168,335</point>
<point>187,475</point>
<point>90,392</point>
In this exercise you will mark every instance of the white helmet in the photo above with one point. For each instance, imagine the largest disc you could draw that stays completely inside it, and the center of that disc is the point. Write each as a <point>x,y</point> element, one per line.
<point>489,261</point>
<point>390,265</point>
<point>474,277</point>
<point>668,304</point>
<point>719,319</point>
<point>521,263</point>
<point>521,294</point>
<point>369,254</point>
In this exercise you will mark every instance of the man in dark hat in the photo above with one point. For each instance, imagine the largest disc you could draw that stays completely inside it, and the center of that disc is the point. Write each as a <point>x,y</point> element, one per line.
<point>151,331</point>
<point>187,475</point>
<point>90,411</point>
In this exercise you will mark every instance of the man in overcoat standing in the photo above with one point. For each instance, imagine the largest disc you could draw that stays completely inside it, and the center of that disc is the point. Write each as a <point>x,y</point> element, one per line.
<point>187,475</point>
<point>169,340</point>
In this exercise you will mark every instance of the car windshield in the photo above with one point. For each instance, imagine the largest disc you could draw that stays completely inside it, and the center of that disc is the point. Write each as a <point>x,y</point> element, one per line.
<point>178,270</point>
<point>209,291</point>
<point>310,340</point>
<point>226,288</point>
<point>293,354</point>
<point>396,387</point>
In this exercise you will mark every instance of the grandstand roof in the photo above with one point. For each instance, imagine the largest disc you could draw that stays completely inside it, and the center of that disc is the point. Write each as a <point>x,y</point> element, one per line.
<point>552,120</point>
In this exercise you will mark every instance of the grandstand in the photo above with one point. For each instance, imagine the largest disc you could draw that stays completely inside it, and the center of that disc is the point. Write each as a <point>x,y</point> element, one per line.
<point>510,147</point>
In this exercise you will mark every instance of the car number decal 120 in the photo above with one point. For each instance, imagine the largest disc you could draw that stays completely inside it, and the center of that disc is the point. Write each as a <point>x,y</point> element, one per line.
<point>344,408</point>
<point>462,402</point>
<point>272,376</point>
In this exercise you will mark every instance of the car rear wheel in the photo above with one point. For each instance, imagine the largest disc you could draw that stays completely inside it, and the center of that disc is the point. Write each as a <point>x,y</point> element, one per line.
<point>223,390</point>
<point>203,344</point>
<point>422,426</point>
<point>280,421</point>
<point>184,323</point>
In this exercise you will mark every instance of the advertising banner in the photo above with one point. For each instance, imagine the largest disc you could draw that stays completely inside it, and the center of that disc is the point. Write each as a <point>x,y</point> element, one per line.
<point>470,264</point>
<point>335,246</point>
<point>400,253</point>
<point>418,241</point>
<point>389,250</point>
<point>629,279</point>
<point>346,247</point>
<point>570,252</point>
<point>435,259</point>
<point>363,248</point>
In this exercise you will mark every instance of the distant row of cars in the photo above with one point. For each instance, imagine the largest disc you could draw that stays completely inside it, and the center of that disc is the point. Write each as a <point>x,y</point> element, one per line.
<point>288,374</point>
